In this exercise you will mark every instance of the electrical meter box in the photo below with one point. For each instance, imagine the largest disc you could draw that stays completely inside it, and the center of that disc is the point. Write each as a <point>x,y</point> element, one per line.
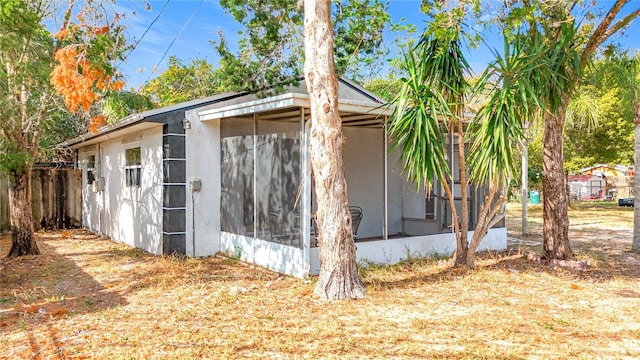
<point>195,185</point>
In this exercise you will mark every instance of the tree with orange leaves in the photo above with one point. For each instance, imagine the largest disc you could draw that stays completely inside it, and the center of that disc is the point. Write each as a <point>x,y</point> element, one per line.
<point>36,68</point>
<point>83,72</point>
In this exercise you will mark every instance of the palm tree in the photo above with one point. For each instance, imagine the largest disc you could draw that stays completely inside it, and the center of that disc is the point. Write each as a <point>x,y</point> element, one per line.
<point>622,71</point>
<point>430,109</point>
<point>627,76</point>
<point>574,46</point>
<point>429,106</point>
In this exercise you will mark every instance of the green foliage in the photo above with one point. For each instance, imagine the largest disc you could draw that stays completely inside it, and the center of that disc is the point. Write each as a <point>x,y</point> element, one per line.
<point>386,88</point>
<point>610,83</point>
<point>31,120</point>
<point>271,52</point>
<point>119,104</point>
<point>514,81</point>
<point>59,126</point>
<point>357,36</point>
<point>183,82</point>
<point>584,110</point>
<point>429,98</point>
<point>443,16</point>
<point>13,159</point>
<point>25,60</point>
<point>435,92</point>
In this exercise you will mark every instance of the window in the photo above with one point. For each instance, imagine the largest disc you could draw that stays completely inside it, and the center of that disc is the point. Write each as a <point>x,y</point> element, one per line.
<point>91,168</point>
<point>133,167</point>
<point>431,201</point>
<point>456,189</point>
<point>261,177</point>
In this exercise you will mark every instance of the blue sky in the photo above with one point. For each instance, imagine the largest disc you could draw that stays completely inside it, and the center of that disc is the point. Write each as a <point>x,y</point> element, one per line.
<point>190,24</point>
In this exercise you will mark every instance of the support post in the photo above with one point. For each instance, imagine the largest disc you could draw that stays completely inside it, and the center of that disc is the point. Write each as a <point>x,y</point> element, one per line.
<point>525,181</point>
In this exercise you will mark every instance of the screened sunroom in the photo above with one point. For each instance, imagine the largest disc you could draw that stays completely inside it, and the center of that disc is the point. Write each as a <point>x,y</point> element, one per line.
<point>262,202</point>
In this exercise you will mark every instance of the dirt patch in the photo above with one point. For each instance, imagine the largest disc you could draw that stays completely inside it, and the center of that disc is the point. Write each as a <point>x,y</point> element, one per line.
<point>88,297</point>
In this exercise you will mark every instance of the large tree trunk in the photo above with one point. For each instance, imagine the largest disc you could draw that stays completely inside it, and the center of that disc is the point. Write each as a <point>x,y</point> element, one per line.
<point>23,242</point>
<point>636,177</point>
<point>554,188</point>
<point>556,197</point>
<point>339,278</point>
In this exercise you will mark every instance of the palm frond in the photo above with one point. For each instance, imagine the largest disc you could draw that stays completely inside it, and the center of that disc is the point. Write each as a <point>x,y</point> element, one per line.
<point>583,111</point>
<point>416,128</point>
<point>432,96</point>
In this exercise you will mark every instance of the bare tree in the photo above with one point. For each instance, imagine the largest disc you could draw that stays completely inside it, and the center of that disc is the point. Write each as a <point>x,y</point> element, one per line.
<point>339,278</point>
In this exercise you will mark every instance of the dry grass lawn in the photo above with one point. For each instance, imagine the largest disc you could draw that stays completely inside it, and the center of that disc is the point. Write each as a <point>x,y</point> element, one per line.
<point>87,297</point>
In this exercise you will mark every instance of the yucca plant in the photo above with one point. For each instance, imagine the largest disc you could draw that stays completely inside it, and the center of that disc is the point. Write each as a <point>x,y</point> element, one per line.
<point>430,109</point>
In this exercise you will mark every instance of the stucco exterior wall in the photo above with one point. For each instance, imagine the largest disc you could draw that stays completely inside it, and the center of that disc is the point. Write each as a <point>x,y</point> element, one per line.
<point>132,215</point>
<point>92,202</point>
<point>363,156</point>
<point>393,251</point>
<point>203,207</point>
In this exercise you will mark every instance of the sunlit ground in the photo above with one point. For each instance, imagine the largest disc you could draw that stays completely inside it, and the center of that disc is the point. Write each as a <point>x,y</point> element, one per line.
<point>87,297</point>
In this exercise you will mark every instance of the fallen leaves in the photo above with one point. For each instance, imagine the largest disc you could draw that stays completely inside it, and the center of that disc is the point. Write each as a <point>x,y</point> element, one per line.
<point>42,308</point>
<point>111,301</point>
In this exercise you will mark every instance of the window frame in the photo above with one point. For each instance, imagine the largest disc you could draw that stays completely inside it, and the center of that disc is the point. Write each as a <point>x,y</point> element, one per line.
<point>432,199</point>
<point>91,168</point>
<point>133,167</point>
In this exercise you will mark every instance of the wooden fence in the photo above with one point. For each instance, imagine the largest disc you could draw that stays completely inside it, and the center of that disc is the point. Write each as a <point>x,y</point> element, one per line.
<point>56,198</point>
<point>4,203</point>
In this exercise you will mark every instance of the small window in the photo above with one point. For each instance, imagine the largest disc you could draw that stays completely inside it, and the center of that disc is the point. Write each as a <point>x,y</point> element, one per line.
<point>91,168</point>
<point>431,201</point>
<point>133,167</point>
<point>430,207</point>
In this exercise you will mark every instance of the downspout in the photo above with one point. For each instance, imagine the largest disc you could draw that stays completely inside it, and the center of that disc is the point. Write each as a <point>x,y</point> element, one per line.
<point>453,189</point>
<point>193,222</point>
<point>525,181</point>
<point>385,226</point>
<point>305,197</point>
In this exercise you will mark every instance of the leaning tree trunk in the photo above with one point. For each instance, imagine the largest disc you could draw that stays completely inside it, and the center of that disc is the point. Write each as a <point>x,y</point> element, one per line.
<point>554,188</point>
<point>339,278</point>
<point>22,240</point>
<point>636,177</point>
<point>491,212</point>
<point>462,239</point>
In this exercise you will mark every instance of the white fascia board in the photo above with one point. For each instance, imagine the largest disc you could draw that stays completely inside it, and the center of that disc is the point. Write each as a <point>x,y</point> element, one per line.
<point>288,101</point>
<point>271,103</point>
<point>361,107</point>
<point>90,139</point>
<point>83,139</point>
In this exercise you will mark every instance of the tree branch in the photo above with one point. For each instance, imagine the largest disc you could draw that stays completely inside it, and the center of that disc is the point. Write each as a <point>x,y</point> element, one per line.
<point>622,23</point>
<point>496,218</point>
<point>599,34</point>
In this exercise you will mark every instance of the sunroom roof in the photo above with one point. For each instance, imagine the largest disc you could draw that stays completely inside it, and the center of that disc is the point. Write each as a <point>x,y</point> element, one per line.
<point>287,107</point>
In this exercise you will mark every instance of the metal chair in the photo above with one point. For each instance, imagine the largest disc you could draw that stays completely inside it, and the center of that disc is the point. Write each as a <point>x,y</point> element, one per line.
<point>277,228</point>
<point>356,218</point>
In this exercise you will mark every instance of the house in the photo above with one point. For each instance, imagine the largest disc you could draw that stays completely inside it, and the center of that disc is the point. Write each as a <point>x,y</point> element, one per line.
<point>231,173</point>
<point>618,178</point>
<point>587,187</point>
<point>606,170</point>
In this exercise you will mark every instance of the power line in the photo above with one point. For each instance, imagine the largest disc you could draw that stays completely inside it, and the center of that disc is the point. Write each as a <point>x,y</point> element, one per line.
<point>174,39</point>
<point>143,34</point>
